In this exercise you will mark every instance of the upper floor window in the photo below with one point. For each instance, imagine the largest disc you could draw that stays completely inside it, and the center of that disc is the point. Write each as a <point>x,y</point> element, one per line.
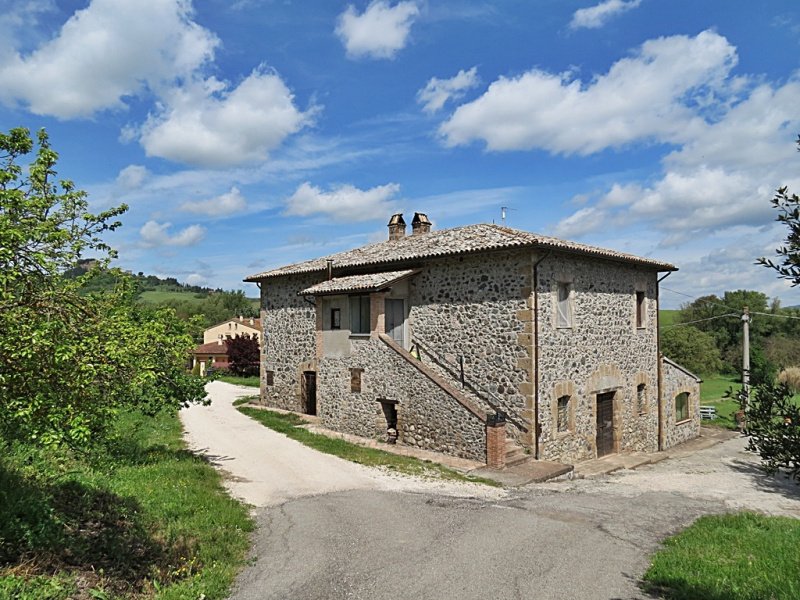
<point>359,314</point>
<point>564,308</point>
<point>641,310</point>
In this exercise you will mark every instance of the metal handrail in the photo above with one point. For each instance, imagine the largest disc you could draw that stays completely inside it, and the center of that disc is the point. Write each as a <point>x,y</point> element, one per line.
<point>475,388</point>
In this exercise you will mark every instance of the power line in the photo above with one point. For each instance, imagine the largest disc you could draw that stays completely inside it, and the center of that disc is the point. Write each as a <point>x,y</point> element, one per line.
<point>700,320</point>
<point>774,315</point>
<point>698,299</point>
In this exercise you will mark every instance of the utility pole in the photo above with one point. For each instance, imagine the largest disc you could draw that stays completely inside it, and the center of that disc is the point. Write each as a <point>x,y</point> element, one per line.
<point>746,357</point>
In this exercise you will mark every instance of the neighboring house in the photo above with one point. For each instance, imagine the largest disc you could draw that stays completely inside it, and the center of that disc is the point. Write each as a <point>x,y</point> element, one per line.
<point>214,351</point>
<point>476,340</point>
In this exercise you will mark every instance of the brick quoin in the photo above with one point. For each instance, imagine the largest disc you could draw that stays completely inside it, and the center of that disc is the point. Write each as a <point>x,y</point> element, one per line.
<point>496,445</point>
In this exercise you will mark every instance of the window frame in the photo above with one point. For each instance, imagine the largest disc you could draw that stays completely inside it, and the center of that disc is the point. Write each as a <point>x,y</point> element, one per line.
<point>364,328</point>
<point>565,306</point>
<point>686,416</point>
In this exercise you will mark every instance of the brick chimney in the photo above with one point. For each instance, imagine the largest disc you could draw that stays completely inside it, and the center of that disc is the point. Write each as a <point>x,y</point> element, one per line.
<point>420,224</point>
<point>397,227</point>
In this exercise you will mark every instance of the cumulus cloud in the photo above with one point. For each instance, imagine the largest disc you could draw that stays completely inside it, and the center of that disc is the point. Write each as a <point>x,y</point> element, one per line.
<point>598,15</point>
<point>379,32</point>
<point>196,279</point>
<point>225,204</point>
<point>155,234</point>
<point>206,123</point>
<point>132,177</point>
<point>105,52</point>
<point>652,95</point>
<point>438,91</point>
<point>343,203</point>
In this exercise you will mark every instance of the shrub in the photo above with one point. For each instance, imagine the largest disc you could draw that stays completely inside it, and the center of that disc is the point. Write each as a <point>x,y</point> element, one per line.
<point>791,378</point>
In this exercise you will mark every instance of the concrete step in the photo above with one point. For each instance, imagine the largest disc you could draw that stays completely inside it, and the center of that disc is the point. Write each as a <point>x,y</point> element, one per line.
<point>515,454</point>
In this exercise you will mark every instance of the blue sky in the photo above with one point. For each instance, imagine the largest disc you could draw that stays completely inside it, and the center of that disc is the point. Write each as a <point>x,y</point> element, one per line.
<point>253,133</point>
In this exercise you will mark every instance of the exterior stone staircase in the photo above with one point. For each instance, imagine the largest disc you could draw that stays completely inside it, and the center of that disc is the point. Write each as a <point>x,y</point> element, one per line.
<point>515,454</point>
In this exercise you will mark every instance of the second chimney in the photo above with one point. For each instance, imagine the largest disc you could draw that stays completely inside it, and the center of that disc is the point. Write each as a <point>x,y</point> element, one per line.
<point>397,227</point>
<point>420,224</point>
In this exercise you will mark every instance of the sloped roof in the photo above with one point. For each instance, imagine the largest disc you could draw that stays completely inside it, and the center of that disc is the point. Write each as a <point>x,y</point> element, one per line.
<point>357,283</point>
<point>448,242</point>
<point>212,348</point>
<point>246,322</point>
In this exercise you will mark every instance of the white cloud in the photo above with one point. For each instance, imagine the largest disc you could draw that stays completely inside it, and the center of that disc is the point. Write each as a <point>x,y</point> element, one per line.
<point>132,177</point>
<point>438,91</point>
<point>379,32</point>
<point>157,234</point>
<point>208,124</point>
<point>105,52</point>
<point>653,95</point>
<point>225,204</point>
<point>195,279</point>
<point>343,203</point>
<point>598,15</point>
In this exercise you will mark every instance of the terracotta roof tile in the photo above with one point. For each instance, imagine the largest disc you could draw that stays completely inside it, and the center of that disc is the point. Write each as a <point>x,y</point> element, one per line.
<point>211,348</point>
<point>447,242</point>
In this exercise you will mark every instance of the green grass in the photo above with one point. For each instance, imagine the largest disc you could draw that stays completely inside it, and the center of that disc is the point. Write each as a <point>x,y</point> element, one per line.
<point>144,518</point>
<point>730,557</point>
<point>667,317</point>
<point>253,381</point>
<point>288,424</point>
<point>162,297</point>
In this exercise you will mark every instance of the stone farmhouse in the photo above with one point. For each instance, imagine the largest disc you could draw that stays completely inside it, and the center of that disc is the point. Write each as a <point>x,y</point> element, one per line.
<point>481,341</point>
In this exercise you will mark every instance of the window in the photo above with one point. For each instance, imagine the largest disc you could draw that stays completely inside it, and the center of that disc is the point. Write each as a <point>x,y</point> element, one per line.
<point>562,416</point>
<point>336,318</point>
<point>682,407</point>
<point>641,398</point>
<point>270,377</point>
<point>640,310</point>
<point>564,308</point>
<point>355,380</point>
<point>359,314</point>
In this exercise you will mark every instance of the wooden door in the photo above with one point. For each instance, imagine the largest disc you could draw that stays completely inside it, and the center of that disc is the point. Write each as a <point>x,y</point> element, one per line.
<point>605,424</point>
<point>309,392</point>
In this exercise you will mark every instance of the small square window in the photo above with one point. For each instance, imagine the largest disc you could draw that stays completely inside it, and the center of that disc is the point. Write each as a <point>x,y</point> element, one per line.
<point>641,310</point>
<point>564,306</point>
<point>562,416</point>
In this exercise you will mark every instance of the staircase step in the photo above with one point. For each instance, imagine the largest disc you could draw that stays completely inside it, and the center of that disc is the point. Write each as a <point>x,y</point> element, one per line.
<point>517,460</point>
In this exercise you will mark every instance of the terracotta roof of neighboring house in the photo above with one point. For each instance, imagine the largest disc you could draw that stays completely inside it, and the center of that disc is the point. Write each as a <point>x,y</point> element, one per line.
<point>448,242</point>
<point>371,282</point>
<point>211,348</point>
<point>246,321</point>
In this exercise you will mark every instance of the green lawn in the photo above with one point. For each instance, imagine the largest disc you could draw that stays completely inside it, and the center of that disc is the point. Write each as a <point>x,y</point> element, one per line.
<point>144,518</point>
<point>287,423</point>
<point>161,297</point>
<point>667,317</point>
<point>730,557</point>
<point>248,381</point>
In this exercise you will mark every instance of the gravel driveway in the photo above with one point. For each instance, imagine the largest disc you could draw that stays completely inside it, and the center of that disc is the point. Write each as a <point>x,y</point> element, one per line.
<point>329,529</point>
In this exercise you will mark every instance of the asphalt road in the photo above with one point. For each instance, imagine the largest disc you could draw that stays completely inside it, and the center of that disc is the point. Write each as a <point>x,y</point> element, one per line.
<point>361,534</point>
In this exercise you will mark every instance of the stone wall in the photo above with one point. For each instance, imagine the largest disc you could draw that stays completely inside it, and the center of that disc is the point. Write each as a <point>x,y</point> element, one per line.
<point>427,416</point>
<point>289,339</point>
<point>603,351</point>
<point>475,307</point>
<point>676,380</point>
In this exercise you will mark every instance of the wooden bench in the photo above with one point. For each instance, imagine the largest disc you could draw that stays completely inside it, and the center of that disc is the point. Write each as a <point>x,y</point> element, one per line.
<point>708,412</point>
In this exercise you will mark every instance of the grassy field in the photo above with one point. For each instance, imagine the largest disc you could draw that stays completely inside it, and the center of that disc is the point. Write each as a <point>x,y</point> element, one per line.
<point>161,297</point>
<point>144,518</point>
<point>288,425</point>
<point>667,317</point>
<point>248,381</point>
<point>730,557</point>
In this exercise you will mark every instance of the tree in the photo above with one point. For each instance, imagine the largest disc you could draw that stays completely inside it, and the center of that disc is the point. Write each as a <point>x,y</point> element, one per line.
<point>788,207</point>
<point>243,356</point>
<point>691,348</point>
<point>70,361</point>
<point>773,426</point>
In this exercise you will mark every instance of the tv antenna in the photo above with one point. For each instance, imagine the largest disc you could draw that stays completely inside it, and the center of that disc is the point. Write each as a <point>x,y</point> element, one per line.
<point>503,211</point>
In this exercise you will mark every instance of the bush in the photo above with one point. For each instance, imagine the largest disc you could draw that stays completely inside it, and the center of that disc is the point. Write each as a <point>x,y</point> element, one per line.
<point>791,378</point>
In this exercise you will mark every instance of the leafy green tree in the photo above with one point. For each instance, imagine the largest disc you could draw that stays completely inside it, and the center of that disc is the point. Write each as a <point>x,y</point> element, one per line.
<point>691,348</point>
<point>69,361</point>
<point>773,426</point>
<point>243,356</point>
<point>788,261</point>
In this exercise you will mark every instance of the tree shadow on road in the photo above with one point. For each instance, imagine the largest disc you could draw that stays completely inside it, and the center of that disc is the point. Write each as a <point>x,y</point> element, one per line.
<point>776,483</point>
